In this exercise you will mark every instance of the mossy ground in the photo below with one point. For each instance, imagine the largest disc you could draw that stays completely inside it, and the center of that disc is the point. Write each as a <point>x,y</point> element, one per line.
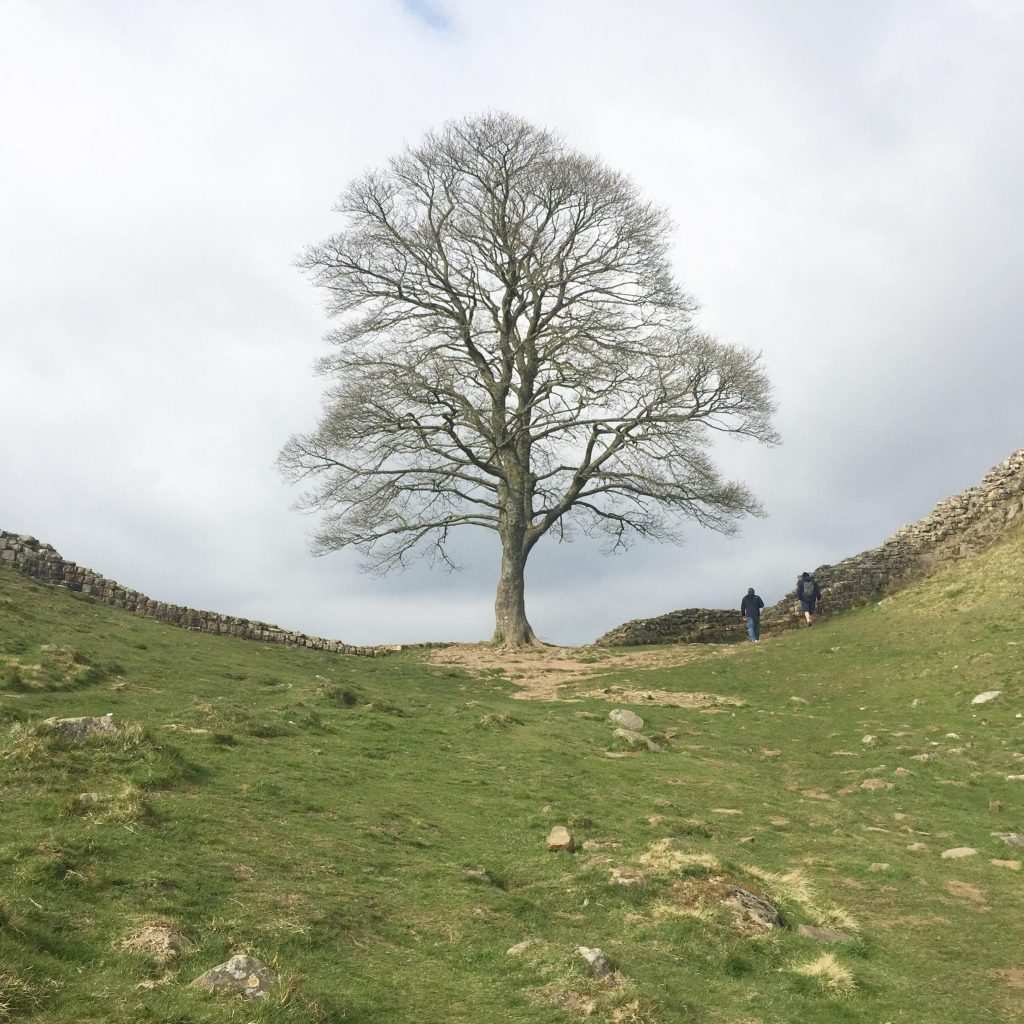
<point>374,828</point>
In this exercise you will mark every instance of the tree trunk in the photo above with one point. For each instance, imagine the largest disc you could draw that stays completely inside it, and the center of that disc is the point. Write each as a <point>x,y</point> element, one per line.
<point>511,627</point>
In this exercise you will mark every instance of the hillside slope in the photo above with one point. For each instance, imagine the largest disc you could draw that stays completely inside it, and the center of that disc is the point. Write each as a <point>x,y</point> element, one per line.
<point>374,829</point>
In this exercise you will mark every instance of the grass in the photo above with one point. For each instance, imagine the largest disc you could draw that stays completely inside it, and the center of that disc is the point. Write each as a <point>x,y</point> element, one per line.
<point>374,828</point>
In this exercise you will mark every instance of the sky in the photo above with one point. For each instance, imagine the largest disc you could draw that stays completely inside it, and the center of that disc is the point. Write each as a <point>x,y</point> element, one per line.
<point>844,181</point>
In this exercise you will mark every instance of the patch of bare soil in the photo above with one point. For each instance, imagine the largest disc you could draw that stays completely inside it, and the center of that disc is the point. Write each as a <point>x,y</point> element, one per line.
<point>541,673</point>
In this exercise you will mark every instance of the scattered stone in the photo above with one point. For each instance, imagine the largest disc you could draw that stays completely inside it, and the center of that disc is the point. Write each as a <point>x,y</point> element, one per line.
<point>952,736</point>
<point>520,947</point>
<point>1015,778</point>
<point>636,739</point>
<point>984,698</point>
<point>753,909</point>
<point>241,975</point>
<point>1012,865</point>
<point>745,839</point>
<point>875,784</point>
<point>921,757</point>
<point>824,934</point>
<point>1010,838</point>
<point>778,822</point>
<point>878,867</point>
<point>725,810</point>
<point>958,853</point>
<point>626,877</point>
<point>902,772</point>
<point>869,740</point>
<point>625,719</point>
<point>798,700</point>
<point>616,754</point>
<point>597,962</point>
<point>917,847</point>
<point>995,806</point>
<point>770,753</point>
<point>78,729</point>
<point>561,839</point>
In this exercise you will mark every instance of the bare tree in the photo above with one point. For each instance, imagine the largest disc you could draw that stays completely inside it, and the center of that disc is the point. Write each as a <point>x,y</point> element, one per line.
<point>513,354</point>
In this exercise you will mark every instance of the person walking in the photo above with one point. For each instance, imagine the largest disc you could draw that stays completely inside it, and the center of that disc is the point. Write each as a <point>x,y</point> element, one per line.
<point>808,592</point>
<point>750,609</point>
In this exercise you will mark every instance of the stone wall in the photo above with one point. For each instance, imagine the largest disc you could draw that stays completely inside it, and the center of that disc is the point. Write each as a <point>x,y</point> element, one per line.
<point>956,528</point>
<point>42,562</point>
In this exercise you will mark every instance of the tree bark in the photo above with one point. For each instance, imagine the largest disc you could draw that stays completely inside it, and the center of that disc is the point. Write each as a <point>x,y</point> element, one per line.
<point>512,629</point>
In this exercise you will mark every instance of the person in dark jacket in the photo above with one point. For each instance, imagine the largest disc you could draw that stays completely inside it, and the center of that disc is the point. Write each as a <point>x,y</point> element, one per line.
<point>808,592</point>
<point>750,609</point>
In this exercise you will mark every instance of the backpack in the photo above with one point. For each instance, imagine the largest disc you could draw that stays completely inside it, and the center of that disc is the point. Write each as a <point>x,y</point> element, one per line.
<point>806,589</point>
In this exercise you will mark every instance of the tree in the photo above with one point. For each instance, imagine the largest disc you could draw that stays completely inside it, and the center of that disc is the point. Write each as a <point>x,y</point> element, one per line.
<point>513,354</point>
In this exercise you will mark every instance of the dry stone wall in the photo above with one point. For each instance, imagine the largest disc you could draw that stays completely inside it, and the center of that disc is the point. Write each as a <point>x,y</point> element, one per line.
<point>956,528</point>
<point>42,562</point>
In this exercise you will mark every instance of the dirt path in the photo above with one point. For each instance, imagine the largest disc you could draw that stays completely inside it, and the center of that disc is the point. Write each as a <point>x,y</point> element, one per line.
<point>542,673</point>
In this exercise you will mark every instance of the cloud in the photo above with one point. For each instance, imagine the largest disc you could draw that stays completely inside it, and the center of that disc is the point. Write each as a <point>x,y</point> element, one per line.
<point>429,13</point>
<point>845,185</point>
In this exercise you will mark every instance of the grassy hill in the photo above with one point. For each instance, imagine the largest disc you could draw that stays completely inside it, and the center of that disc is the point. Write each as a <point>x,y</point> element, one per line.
<point>375,828</point>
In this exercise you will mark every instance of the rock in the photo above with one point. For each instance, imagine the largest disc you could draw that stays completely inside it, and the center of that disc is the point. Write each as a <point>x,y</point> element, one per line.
<point>917,847</point>
<point>823,934</point>
<point>726,810</point>
<point>878,867</point>
<point>984,698</point>
<point>636,739</point>
<point>560,840</point>
<point>902,772</point>
<point>597,962</point>
<point>1012,865</point>
<point>1010,838</point>
<point>873,784</point>
<point>78,729</point>
<point>1015,778</point>
<point>241,975</point>
<point>626,719</point>
<point>869,740</point>
<point>520,947</point>
<point>959,852</point>
<point>754,909</point>
<point>921,757</point>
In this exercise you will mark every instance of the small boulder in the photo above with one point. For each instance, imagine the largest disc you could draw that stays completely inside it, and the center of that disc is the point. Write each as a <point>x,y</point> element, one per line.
<point>1012,865</point>
<point>753,909</point>
<point>1010,838</point>
<point>917,847</point>
<point>78,729</point>
<point>560,840</point>
<point>984,698</point>
<point>959,852</point>
<point>626,719</point>
<point>597,961</point>
<point>241,975</point>
<point>636,739</point>
<point>869,740</point>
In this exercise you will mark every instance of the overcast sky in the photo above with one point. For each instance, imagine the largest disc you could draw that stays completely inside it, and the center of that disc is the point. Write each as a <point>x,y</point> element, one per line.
<point>846,184</point>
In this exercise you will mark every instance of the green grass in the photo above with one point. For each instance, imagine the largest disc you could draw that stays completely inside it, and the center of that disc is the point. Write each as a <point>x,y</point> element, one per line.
<point>374,828</point>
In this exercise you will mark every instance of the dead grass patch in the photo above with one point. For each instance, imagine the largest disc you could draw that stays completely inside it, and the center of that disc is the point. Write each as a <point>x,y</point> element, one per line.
<point>830,974</point>
<point>161,941</point>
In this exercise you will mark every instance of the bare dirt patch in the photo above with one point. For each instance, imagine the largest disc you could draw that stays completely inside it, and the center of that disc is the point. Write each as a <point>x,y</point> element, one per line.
<point>541,673</point>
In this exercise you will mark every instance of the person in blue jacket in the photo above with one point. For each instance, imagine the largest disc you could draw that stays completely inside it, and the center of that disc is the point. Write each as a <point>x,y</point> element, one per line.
<point>750,609</point>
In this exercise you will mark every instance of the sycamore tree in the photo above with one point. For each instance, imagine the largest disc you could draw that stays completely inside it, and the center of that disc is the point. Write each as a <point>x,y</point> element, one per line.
<point>512,353</point>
